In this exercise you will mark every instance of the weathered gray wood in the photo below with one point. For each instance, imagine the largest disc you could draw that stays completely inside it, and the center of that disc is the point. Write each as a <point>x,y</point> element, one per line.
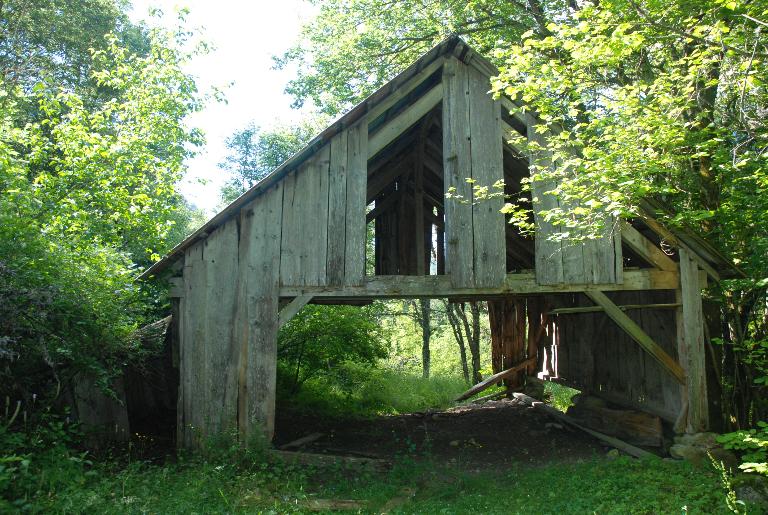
<point>615,442</point>
<point>403,90</point>
<point>693,338</point>
<point>175,287</point>
<point>293,307</point>
<point>637,334</point>
<point>487,158</point>
<point>599,309</point>
<point>494,379</point>
<point>337,210</point>
<point>457,166</point>
<point>257,320</point>
<point>394,128</point>
<point>435,286</point>
<point>321,167</point>
<point>549,252</point>
<point>219,373</point>
<point>357,164</point>
<point>670,238</point>
<point>292,237</point>
<point>645,248</point>
<point>304,440</point>
<point>191,352</point>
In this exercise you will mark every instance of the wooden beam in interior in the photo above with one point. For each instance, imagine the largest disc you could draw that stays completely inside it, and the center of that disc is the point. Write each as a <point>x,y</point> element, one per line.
<point>666,234</point>
<point>405,89</point>
<point>625,307</point>
<point>645,248</point>
<point>394,128</point>
<point>636,333</point>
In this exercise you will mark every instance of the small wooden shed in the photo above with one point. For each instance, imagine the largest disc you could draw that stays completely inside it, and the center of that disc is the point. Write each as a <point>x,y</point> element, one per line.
<point>617,316</point>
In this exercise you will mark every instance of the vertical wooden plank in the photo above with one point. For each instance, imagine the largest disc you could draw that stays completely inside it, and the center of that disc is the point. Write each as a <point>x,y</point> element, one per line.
<point>321,166</point>
<point>693,338</point>
<point>487,159</point>
<point>192,346</point>
<point>457,167</point>
<point>357,179</point>
<point>549,256</point>
<point>260,242</point>
<point>337,210</point>
<point>291,237</point>
<point>218,373</point>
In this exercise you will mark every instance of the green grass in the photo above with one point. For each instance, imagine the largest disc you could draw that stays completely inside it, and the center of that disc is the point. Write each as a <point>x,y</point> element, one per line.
<point>219,486</point>
<point>365,392</point>
<point>559,395</point>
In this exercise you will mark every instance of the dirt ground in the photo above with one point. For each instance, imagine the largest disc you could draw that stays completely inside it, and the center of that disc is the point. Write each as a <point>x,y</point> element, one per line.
<point>493,434</point>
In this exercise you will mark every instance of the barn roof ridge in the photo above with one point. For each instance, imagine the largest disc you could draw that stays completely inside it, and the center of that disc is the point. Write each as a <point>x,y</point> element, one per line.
<point>451,45</point>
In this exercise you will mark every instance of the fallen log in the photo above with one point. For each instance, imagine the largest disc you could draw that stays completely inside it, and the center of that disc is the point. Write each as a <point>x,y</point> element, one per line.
<point>304,440</point>
<point>632,426</point>
<point>552,412</point>
<point>490,397</point>
<point>333,504</point>
<point>495,378</point>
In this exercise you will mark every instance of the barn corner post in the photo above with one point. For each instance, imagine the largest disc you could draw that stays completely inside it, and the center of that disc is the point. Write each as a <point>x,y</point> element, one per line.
<point>690,335</point>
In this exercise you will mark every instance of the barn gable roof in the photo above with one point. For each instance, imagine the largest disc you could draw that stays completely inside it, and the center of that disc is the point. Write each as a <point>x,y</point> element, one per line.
<point>390,97</point>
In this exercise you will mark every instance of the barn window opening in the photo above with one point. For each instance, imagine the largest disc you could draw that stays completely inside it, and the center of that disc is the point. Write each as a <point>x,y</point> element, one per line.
<point>406,212</point>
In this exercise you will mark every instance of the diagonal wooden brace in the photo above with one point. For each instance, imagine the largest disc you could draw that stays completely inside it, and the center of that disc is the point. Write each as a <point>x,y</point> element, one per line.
<point>637,334</point>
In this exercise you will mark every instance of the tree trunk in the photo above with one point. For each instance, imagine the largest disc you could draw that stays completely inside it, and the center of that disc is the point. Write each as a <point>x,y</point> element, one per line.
<point>426,334</point>
<point>473,336</point>
<point>450,310</point>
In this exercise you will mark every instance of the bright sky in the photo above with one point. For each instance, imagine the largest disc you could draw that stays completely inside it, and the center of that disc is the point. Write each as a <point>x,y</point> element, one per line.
<point>245,35</point>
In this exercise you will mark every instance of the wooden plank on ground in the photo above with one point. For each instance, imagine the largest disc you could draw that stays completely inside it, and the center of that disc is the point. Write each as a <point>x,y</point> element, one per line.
<point>457,166</point>
<point>693,338</point>
<point>357,178</point>
<point>494,379</point>
<point>487,158</point>
<point>637,334</point>
<point>559,415</point>
<point>337,210</point>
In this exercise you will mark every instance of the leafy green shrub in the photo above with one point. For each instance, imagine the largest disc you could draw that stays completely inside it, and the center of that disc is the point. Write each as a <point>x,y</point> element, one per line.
<point>39,461</point>
<point>319,339</point>
<point>753,446</point>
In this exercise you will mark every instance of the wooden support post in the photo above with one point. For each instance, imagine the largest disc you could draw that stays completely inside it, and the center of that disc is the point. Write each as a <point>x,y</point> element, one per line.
<point>418,199</point>
<point>637,334</point>
<point>693,343</point>
<point>293,307</point>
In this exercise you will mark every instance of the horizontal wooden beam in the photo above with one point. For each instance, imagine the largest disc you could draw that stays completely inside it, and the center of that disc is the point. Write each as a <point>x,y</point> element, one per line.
<point>636,333</point>
<point>439,286</point>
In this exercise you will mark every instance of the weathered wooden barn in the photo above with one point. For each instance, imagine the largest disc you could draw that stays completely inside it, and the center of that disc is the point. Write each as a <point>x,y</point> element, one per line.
<point>618,316</point>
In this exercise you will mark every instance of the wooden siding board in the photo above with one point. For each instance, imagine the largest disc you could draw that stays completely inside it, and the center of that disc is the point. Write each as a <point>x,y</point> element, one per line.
<point>260,265</point>
<point>192,346</point>
<point>291,238</point>
<point>549,255</point>
<point>337,209</point>
<point>219,377</point>
<point>693,338</point>
<point>457,166</point>
<point>357,179</point>
<point>487,161</point>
